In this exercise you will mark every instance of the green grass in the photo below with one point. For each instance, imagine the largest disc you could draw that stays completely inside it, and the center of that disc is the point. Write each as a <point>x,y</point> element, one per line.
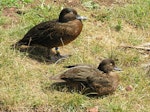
<point>14,3</point>
<point>25,83</point>
<point>136,13</point>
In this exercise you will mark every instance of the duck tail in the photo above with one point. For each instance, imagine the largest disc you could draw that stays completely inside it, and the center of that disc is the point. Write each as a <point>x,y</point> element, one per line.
<point>18,44</point>
<point>70,66</point>
<point>56,78</point>
<point>78,65</point>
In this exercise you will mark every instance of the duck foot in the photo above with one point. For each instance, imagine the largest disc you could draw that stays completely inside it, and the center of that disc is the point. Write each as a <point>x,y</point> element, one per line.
<point>59,57</point>
<point>48,57</point>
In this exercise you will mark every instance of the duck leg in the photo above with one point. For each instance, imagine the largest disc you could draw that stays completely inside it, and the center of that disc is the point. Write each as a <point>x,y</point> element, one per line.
<point>57,52</point>
<point>59,55</point>
<point>48,53</point>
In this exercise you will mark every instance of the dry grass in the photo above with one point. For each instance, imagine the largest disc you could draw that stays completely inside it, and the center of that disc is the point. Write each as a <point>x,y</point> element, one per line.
<point>24,80</point>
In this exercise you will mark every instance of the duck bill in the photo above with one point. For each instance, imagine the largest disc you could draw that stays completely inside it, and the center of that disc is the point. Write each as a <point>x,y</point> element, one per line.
<point>81,17</point>
<point>117,69</point>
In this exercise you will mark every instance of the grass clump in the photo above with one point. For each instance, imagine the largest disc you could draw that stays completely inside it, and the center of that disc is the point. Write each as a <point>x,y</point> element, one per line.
<point>13,3</point>
<point>24,80</point>
<point>136,14</point>
<point>90,4</point>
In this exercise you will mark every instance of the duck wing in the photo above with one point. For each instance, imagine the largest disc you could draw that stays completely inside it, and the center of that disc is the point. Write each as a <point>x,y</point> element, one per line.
<point>35,32</point>
<point>47,34</point>
<point>79,74</point>
<point>77,65</point>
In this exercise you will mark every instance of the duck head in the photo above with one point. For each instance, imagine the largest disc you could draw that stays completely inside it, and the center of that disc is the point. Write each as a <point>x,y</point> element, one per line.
<point>69,14</point>
<point>108,65</point>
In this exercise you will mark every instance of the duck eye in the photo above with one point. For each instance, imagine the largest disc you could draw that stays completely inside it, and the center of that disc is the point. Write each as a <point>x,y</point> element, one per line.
<point>71,12</point>
<point>110,64</point>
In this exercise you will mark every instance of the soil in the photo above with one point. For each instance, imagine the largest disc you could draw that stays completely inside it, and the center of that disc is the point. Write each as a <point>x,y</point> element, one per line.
<point>10,13</point>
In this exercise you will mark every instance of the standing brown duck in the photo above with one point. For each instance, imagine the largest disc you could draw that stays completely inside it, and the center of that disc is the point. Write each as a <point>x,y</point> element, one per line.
<point>100,80</point>
<point>55,33</point>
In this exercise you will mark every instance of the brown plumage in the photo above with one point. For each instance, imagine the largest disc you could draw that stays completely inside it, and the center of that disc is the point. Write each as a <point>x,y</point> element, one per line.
<point>55,33</point>
<point>100,80</point>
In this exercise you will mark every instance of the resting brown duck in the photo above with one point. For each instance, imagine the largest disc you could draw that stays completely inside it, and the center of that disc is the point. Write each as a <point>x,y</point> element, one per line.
<point>55,33</point>
<point>101,80</point>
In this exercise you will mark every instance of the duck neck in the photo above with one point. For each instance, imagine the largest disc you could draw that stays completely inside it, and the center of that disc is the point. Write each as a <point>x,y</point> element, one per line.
<point>103,70</point>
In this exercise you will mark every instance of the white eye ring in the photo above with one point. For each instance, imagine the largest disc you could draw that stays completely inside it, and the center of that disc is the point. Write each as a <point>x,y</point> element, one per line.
<point>110,64</point>
<point>71,13</point>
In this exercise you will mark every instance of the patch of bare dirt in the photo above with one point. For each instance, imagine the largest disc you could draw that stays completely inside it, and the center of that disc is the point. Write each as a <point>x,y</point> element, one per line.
<point>70,3</point>
<point>105,2</point>
<point>10,13</point>
<point>77,3</point>
<point>111,2</point>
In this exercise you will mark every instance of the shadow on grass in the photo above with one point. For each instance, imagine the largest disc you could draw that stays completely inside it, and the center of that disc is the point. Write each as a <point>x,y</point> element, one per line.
<point>40,54</point>
<point>77,88</point>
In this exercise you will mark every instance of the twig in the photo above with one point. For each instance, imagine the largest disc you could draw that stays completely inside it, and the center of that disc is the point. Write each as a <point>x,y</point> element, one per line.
<point>147,65</point>
<point>145,44</point>
<point>137,47</point>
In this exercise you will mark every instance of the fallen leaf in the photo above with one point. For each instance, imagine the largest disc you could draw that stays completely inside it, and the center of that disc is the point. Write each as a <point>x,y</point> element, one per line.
<point>129,88</point>
<point>93,109</point>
